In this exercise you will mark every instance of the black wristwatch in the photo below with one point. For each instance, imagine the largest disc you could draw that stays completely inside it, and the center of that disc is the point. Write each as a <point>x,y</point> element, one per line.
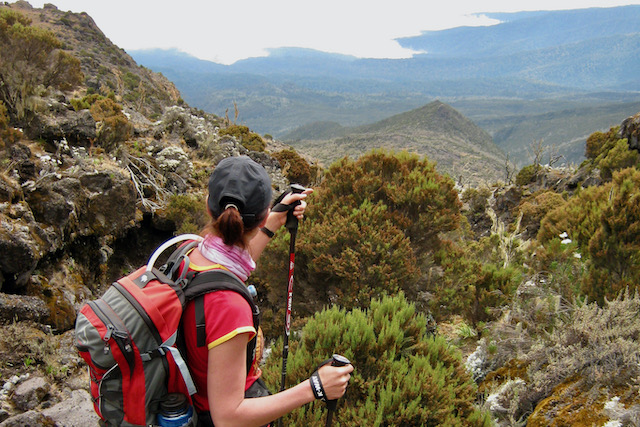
<point>268,232</point>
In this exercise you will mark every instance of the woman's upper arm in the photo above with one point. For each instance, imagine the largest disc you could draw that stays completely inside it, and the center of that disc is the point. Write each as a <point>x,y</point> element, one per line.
<point>226,377</point>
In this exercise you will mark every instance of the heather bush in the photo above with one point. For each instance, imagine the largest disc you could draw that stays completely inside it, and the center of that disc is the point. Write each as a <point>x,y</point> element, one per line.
<point>187,213</point>
<point>475,282</point>
<point>614,248</point>
<point>47,65</point>
<point>534,207</point>
<point>579,217</point>
<point>402,376</point>
<point>527,175</point>
<point>608,152</point>
<point>598,142</point>
<point>8,135</point>
<point>113,127</point>
<point>249,140</point>
<point>367,227</point>
<point>418,200</point>
<point>295,168</point>
<point>355,257</point>
<point>603,222</point>
<point>85,102</point>
<point>617,158</point>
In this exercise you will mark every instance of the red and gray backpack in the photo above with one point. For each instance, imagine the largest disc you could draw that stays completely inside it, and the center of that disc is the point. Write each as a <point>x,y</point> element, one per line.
<point>128,336</point>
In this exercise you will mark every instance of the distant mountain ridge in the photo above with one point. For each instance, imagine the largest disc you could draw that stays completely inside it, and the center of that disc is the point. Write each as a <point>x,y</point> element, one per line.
<point>459,147</point>
<point>547,61</point>
<point>527,31</point>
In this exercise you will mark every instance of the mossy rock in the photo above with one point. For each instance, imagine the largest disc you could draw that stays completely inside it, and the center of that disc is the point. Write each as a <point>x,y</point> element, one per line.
<point>513,369</point>
<point>570,404</point>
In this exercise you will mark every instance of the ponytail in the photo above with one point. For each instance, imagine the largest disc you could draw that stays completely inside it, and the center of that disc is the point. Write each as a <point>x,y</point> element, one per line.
<point>230,227</point>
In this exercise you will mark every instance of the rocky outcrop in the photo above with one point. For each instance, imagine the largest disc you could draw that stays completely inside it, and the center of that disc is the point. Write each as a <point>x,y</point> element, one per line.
<point>630,129</point>
<point>21,308</point>
<point>58,206</point>
<point>63,123</point>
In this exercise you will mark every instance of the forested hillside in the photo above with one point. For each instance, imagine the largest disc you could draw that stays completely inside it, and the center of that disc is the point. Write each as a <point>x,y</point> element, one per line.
<point>504,304</point>
<point>459,147</point>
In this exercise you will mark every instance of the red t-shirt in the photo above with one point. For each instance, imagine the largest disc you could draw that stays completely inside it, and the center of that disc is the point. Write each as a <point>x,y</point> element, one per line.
<point>226,314</point>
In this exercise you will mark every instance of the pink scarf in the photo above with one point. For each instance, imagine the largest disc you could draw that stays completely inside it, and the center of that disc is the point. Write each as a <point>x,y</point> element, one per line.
<point>234,258</point>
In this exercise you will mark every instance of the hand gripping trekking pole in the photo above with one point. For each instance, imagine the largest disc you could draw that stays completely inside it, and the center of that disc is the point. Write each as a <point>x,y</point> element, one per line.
<point>292,226</point>
<point>336,360</point>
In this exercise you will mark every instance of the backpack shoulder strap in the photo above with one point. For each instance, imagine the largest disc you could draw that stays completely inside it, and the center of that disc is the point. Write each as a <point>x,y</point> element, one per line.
<point>171,266</point>
<point>203,282</point>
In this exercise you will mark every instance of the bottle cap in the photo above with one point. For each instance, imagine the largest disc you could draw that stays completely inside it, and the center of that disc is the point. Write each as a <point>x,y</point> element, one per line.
<point>173,403</point>
<point>252,291</point>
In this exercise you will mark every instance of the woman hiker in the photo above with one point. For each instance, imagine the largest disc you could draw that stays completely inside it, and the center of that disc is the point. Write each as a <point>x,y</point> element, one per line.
<point>240,228</point>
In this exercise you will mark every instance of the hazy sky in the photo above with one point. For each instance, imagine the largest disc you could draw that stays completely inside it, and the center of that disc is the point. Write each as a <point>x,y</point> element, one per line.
<point>226,31</point>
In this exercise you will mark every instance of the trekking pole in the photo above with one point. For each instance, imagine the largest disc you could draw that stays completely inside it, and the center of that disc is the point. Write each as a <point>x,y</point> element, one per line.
<point>292,226</point>
<point>337,360</point>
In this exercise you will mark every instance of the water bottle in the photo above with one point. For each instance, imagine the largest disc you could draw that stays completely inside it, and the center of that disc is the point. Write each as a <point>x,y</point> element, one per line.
<point>175,411</point>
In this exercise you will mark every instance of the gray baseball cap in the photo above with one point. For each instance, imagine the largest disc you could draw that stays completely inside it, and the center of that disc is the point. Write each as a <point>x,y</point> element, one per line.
<point>241,182</point>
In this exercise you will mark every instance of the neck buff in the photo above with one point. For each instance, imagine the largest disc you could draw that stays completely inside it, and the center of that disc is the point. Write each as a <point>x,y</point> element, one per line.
<point>234,258</point>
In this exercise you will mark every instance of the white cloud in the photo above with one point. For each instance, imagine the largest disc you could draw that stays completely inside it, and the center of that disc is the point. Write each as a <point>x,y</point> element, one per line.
<point>226,31</point>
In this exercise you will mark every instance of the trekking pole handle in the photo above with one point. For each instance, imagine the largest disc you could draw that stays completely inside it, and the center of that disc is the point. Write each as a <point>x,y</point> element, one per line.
<point>292,221</point>
<point>337,360</point>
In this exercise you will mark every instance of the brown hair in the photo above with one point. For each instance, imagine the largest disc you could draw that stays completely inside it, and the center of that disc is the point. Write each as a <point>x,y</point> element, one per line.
<point>230,227</point>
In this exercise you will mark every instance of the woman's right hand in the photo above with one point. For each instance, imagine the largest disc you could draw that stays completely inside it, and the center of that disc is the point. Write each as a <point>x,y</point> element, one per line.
<point>335,380</point>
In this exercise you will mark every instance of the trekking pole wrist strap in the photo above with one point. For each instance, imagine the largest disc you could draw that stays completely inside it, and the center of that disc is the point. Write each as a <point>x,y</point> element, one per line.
<point>316,387</point>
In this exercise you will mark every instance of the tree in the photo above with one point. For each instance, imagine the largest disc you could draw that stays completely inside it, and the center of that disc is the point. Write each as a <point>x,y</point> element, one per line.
<point>31,57</point>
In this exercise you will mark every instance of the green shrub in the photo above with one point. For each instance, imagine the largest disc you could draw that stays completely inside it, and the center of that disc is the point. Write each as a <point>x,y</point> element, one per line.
<point>599,142</point>
<point>85,102</point>
<point>534,207</point>
<point>352,259</point>
<point>113,125</point>
<point>31,57</point>
<point>617,158</point>
<point>579,217</point>
<point>367,227</point>
<point>294,167</point>
<point>603,223</point>
<point>475,283</point>
<point>131,80</point>
<point>418,200</point>
<point>187,212</point>
<point>614,248</point>
<point>8,135</point>
<point>402,376</point>
<point>527,175</point>
<point>249,140</point>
